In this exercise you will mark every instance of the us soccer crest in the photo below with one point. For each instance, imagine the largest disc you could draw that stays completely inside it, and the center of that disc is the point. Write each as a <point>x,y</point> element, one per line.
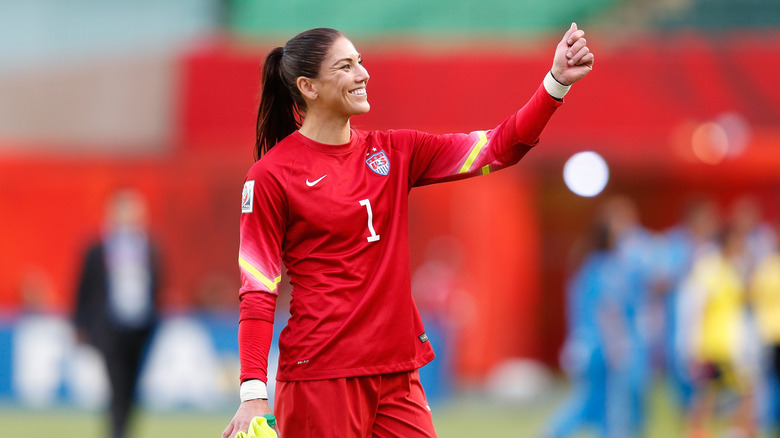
<point>379,163</point>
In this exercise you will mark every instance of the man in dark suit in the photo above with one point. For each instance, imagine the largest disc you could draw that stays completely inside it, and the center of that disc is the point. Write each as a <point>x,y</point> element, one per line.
<point>116,308</point>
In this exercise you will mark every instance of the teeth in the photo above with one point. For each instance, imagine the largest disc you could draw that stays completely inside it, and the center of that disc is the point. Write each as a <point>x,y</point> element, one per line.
<point>358,92</point>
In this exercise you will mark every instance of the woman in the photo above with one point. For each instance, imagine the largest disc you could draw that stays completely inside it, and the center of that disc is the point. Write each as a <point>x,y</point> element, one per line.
<point>597,338</point>
<point>720,339</point>
<point>330,202</point>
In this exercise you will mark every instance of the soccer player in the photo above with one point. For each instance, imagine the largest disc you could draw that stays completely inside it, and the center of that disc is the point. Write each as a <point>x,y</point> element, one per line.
<point>720,344</point>
<point>597,340</point>
<point>330,202</point>
<point>684,244</point>
<point>765,301</point>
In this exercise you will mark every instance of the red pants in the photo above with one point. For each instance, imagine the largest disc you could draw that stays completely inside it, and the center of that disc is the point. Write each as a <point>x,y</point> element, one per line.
<point>383,406</point>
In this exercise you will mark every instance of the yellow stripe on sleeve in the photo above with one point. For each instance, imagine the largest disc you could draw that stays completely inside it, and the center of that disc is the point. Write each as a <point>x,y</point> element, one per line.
<point>270,284</point>
<point>474,152</point>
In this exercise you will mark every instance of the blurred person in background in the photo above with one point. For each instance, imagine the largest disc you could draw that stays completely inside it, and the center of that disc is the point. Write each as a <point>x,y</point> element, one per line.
<point>597,340</point>
<point>116,308</point>
<point>760,241</point>
<point>638,254</point>
<point>760,238</point>
<point>714,306</point>
<point>683,245</point>
<point>765,302</point>
<point>444,306</point>
<point>330,201</point>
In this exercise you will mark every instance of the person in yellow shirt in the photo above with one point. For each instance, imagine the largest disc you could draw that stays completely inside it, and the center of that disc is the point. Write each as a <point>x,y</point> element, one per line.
<point>716,311</point>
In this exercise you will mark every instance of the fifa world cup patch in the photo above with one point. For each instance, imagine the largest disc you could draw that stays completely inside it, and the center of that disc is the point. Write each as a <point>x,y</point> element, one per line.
<point>247,196</point>
<point>379,163</point>
<point>423,338</point>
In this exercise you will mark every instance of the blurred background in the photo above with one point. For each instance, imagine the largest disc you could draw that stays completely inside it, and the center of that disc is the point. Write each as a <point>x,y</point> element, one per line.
<point>683,106</point>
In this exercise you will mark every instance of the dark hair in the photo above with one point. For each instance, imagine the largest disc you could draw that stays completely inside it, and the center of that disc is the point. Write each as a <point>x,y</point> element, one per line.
<point>281,103</point>
<point>602,236</point>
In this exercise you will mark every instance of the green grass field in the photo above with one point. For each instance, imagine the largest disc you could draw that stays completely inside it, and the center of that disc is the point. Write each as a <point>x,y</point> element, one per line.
<point>465,417</point>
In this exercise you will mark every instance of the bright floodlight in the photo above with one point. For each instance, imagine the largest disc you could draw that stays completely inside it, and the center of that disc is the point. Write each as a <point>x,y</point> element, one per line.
<point>586,173</point>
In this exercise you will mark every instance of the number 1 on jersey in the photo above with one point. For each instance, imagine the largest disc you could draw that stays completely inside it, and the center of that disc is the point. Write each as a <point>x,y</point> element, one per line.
<point>374,236</point>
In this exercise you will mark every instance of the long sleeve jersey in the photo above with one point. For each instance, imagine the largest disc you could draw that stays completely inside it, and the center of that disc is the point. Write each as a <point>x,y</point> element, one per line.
<point>336,216</point>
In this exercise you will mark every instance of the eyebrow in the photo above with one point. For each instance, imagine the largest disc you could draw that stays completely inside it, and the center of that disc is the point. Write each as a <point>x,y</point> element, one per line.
<point>348,59</point>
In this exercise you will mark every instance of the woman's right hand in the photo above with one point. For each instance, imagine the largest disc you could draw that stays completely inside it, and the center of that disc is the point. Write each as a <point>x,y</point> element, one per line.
<point>573,59</point>
<point>246,411</point>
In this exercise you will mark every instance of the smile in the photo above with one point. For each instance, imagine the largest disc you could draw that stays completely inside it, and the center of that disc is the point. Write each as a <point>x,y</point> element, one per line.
<point>358,92</point>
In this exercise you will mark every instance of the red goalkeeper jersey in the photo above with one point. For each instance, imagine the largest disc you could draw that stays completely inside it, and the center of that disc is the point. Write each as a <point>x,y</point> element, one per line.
<point>337,217</point>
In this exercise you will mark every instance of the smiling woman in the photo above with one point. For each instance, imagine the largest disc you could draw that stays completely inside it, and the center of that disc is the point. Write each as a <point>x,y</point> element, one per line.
<point>338,93</point>
<point>330,202</point>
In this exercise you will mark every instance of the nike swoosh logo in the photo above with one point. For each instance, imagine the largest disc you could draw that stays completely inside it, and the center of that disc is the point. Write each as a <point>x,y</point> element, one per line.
<point>312,183</point>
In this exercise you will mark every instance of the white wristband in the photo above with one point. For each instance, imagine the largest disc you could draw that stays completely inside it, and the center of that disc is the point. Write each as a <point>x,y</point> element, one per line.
<point>253,389</point>
<point>555,88</point>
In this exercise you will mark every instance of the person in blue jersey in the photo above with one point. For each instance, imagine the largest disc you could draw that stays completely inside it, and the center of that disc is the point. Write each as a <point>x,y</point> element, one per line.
<point>597,338</point>
<point>684,244</point>
<point>639,257</point>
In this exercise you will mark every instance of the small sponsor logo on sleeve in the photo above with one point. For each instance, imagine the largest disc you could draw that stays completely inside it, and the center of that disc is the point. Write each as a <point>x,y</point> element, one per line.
<point>247,197</point>
<point>423,338</point>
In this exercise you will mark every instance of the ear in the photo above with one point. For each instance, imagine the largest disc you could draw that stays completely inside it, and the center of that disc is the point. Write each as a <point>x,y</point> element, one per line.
<point>307,87</point>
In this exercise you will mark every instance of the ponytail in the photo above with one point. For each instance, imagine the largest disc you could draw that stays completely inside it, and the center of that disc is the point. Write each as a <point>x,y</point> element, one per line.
<point>278,115</point>
<point>281,103</point>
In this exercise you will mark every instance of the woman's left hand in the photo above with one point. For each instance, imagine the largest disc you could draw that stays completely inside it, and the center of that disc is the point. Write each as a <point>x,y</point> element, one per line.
<point>573,59</point>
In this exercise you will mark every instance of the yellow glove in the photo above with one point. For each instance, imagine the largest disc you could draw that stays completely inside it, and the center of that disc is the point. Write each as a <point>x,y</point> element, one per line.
<point>260,427</point>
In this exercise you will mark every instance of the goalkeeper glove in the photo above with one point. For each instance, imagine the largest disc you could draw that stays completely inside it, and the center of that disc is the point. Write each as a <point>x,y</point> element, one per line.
<point>260,427</point>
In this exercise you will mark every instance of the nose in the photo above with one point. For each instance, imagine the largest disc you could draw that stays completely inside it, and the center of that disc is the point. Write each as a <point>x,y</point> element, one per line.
<point>362,74</point>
